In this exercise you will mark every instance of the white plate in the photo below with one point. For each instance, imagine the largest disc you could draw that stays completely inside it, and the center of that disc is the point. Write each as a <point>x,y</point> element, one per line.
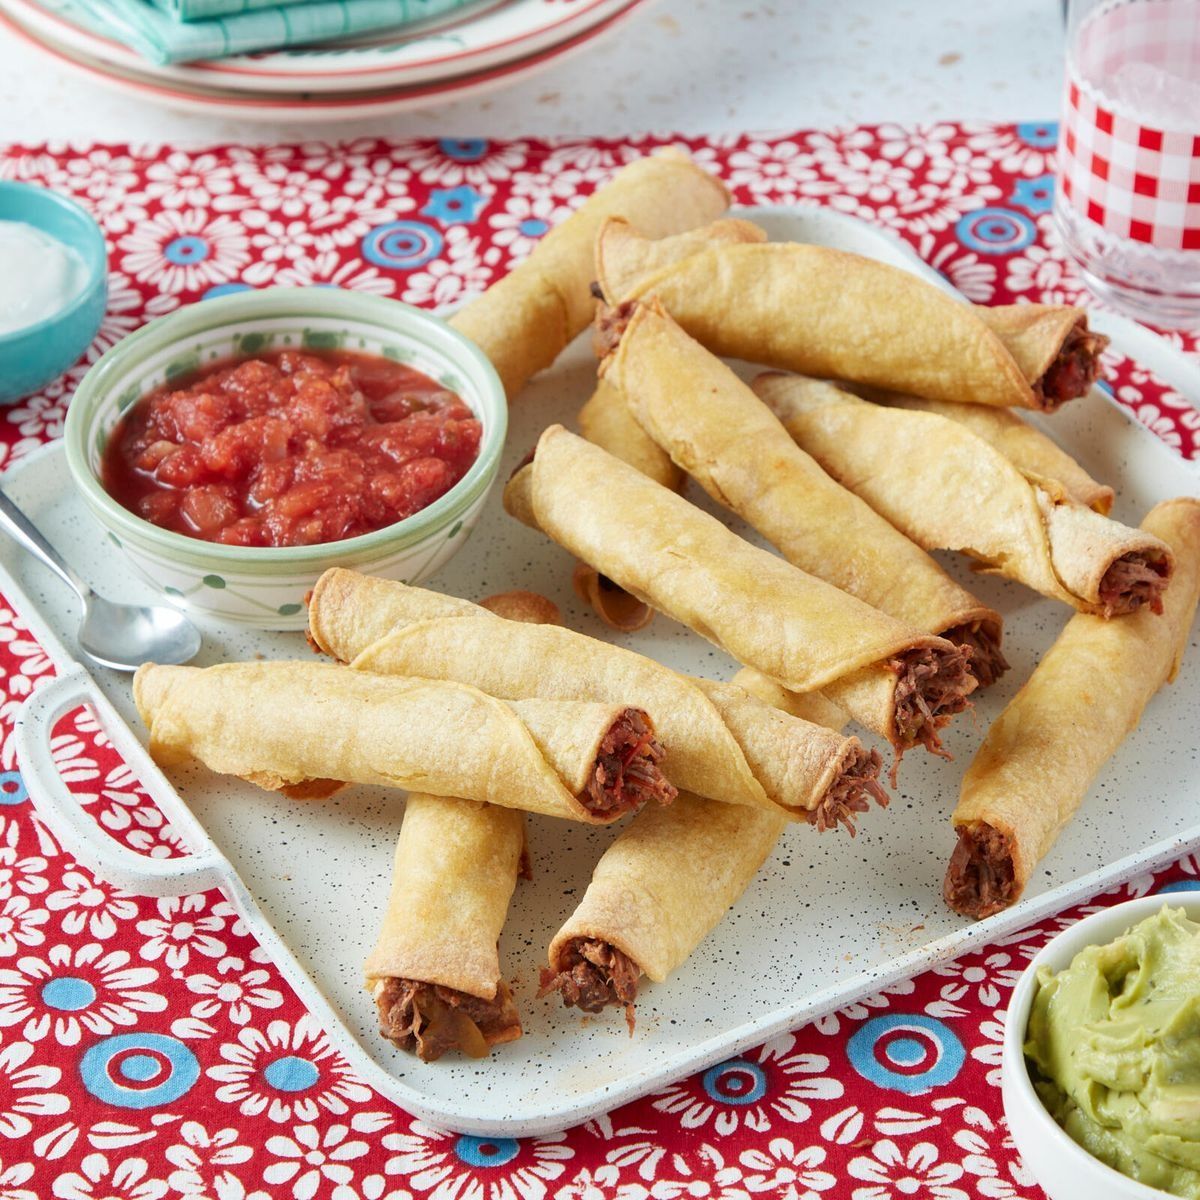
<point>487,36</point>
<point>302,105</point>
<point>828,919</point>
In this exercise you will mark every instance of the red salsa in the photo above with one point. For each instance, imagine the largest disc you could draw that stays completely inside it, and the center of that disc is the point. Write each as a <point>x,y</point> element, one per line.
<point>290,448</point>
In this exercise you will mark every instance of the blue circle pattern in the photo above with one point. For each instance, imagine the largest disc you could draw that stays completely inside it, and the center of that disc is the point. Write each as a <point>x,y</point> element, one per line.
<point>225,289</point>
<point>464,149</point>
<point>533,227</point>
<point>995,230</point>
<point>486,1152</point>
<point>908,1052</point>
<point>111,1056</point>
<point>291,1074</point>
<point>12,788</point>
<point>67,994</point>
<point>726,1082</point>
<point>141,1068</point>
<point>187,249</point>
<point>462,204</point>
<point>402,245</point>
<point>1034,195</point>
<point>1041,135</point>
<point>1180,885</point>
<point>866,1058</point>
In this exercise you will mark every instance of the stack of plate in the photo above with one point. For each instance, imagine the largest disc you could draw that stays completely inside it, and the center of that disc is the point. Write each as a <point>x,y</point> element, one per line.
<point>483,46</point>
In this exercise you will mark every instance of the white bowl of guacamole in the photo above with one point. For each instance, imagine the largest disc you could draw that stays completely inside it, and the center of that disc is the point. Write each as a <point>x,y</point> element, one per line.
<point>1101,1074</point>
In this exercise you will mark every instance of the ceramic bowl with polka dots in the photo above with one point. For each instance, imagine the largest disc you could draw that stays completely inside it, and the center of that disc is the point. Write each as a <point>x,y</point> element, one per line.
<point>264,587</point>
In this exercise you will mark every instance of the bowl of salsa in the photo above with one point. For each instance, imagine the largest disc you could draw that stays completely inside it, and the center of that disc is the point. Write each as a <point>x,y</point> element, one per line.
<point>236,449</point>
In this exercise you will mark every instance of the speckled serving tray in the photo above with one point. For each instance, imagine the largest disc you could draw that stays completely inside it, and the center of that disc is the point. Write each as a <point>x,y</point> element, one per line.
<point>827,921</point>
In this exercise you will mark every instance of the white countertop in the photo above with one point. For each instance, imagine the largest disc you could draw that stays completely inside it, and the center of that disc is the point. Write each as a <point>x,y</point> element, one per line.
<point>690,66</point>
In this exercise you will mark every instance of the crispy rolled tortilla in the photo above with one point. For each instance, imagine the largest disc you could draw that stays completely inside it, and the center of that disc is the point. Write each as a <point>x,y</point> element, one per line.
<point>717,430</point>
<point>605,420</point>
<point>903,684</point>
<point>1035,455</point>
<point>610,602</point>
<point>723,743</point>
<point>435,970</point>
<point>811,707</point>
<point>850,317</point>
<point>655,894</point>
<point>948,489</point>
<point>525,320</point>
<point>660,889</point>
<point>1056,351</point>
<point>1040,757</point>
<point>306,728</point>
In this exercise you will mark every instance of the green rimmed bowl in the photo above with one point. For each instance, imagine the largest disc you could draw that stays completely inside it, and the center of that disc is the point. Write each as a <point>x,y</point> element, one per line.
<point>265,587</point>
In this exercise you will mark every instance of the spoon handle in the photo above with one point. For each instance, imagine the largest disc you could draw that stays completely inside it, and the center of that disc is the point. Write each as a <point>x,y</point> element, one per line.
<point>19,527</point>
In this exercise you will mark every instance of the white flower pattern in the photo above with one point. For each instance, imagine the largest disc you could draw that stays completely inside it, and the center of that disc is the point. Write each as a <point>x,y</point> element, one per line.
<point>274,1111</point>
<point>246,1079</point>
<point>438,1165</point>
<point>73,990</point>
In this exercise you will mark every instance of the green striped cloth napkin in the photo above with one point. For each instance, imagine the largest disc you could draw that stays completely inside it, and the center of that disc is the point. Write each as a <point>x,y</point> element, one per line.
<point>161,37</point>
<point>204,10</point>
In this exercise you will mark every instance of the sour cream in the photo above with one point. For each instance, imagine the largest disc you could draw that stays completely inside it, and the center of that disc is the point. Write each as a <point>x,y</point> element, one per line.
<point>39,276</point>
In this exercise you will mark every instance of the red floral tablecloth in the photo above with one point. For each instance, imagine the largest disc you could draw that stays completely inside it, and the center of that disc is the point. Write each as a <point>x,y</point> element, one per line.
<point>149,1048</point>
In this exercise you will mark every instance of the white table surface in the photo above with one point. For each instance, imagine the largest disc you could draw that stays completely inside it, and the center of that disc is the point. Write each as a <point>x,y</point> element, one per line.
<point>689,66</point>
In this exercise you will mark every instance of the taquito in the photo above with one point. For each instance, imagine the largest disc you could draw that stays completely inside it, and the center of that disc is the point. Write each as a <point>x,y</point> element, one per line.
<point>948,489</point>
<point>306,728</point>
<point>810,707</point>
<point>435,970</point>
<point>898,681</point>
<point>1087,694</point>
<point>723,743</point>
<point>1035,455</point>
<point>660,889</point>
<point>851,317</point>
<point>1051,343</point>
<point>525,320</point>
<point>655,894</point>
<point>605,420</point>
<point>725,437</point>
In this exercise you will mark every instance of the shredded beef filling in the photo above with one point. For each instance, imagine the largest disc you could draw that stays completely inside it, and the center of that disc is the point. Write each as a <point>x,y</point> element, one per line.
<point>987,660</point>
<point>595,975</point>
<point>979,880</point>
<point>933,685</point>
<point>430,1019</point>
<point>1075,369</point>
<point>610,326</point>
<point>627,774</point>
<point>851,793</point>
<point>1131,582</point>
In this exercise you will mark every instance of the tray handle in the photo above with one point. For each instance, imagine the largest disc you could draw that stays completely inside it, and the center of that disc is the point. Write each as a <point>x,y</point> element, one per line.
<point>204,868</point>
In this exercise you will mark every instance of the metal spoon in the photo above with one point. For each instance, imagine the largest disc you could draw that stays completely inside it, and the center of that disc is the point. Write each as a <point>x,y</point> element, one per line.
<point>120,636</point>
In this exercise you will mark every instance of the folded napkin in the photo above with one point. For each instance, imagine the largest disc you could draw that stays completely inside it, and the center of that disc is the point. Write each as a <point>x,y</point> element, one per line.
<point>204,10</point>
<point>163,38</point>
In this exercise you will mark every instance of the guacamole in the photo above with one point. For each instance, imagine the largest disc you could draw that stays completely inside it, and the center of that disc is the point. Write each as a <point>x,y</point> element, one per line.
<point>1113,1048</point>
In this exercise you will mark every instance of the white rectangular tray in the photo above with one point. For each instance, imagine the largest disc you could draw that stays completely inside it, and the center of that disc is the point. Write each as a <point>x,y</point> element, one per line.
<point>828,919</point>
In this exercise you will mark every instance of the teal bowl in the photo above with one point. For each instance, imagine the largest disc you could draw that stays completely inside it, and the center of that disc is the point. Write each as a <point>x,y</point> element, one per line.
<point>264,587</point>
<point>34,356</point>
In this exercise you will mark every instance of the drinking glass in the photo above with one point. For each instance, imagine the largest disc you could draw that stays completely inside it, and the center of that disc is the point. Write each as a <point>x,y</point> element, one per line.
<point>1128,197</point>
